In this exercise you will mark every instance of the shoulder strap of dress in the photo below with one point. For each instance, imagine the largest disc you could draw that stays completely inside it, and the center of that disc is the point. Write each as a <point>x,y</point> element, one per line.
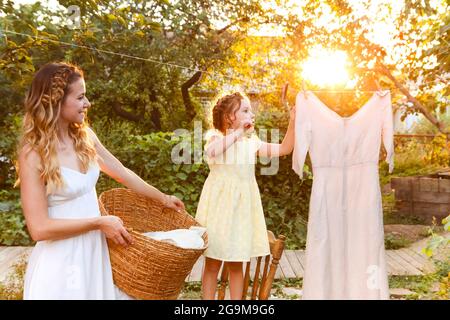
<point>382,93</point>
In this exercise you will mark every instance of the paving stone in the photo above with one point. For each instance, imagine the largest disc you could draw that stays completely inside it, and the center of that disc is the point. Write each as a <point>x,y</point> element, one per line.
<point>400,292</point>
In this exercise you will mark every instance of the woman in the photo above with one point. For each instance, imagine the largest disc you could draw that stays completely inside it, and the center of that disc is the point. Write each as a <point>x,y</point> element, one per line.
<point>59,163</point>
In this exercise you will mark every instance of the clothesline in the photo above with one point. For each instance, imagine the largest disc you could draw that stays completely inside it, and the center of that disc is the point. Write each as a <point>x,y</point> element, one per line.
<point>170,64</point>
<point>124,55</point>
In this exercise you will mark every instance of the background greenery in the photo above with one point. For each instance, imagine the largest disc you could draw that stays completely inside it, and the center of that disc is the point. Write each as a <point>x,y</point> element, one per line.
<point>137,103</point>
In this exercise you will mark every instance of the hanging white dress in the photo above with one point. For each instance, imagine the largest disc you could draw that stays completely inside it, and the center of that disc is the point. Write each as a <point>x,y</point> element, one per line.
<point>345,254</point>
<point>77,267</point>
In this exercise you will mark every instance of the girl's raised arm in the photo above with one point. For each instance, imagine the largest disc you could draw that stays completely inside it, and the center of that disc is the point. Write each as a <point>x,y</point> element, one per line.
<point>270,150</point>
<point>219,145</point>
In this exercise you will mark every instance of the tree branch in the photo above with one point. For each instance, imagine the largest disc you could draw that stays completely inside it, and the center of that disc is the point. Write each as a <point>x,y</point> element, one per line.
<point>244,19</point>
<point>127,115</point>
<point>186,97</point>
<point>417,104</point>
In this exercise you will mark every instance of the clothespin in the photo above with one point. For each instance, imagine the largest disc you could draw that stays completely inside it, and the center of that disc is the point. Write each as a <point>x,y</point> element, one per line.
<point>284,95</point>
<point>377,83</point>
<point>380,91</point>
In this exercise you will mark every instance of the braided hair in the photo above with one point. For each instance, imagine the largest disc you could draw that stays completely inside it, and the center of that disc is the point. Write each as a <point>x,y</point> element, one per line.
<point>222,110</point>
<point>48,91</point>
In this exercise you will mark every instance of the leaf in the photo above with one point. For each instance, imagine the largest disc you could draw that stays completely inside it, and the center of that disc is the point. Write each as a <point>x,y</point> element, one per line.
<point>181,175</point>
<point>111,17</point>
<point>122,21</point>
<point>447,223</point>
<point>178,195</point>
<point>5,206</point>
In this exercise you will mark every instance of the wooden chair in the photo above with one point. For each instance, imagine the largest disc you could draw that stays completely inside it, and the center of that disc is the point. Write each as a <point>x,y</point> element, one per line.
<point>261,287</point>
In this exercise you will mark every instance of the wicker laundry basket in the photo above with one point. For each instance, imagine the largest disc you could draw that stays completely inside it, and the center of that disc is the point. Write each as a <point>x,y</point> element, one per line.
<point>148,269</point>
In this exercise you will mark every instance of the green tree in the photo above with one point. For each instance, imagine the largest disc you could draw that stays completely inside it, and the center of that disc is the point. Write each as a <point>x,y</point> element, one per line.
<point>150,91</point>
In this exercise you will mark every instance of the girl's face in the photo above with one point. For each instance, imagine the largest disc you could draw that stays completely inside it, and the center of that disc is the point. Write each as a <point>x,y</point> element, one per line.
<point>75,104</point>
<point>243,114</point>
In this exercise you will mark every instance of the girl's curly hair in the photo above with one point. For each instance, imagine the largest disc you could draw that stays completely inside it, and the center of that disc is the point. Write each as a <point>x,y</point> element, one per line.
<point>224,107</point>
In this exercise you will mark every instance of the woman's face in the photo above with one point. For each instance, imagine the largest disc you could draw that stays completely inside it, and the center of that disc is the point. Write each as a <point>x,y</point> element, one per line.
<point>244,113</point>
<point>75,104</point>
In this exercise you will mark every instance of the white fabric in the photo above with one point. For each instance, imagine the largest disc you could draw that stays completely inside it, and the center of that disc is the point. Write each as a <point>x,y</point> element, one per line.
<point>345,254</point>
<point>184,238</point>
<point>76,267</point>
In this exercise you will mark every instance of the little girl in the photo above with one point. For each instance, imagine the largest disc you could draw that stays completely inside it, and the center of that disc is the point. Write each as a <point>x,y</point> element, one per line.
<point>230,204</point>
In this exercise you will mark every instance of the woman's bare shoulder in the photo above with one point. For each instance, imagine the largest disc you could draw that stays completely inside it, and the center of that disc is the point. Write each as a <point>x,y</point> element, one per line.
<point>29,156</point>
<point>92,135</point>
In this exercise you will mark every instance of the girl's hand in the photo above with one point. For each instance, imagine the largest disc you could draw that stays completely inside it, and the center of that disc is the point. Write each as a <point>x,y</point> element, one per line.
<point>247,126</point>
<point>113,229</point>
<point>173,203</point>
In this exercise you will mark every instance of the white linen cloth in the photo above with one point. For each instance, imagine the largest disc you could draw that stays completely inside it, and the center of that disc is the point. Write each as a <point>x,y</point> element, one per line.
<point>184,238</point>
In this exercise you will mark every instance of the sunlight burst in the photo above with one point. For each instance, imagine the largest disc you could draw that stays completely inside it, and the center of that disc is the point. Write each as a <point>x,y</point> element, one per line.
<point>325,67</point>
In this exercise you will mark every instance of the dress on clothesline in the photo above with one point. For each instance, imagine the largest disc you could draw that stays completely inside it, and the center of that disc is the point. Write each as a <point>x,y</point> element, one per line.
<point>345,254</point>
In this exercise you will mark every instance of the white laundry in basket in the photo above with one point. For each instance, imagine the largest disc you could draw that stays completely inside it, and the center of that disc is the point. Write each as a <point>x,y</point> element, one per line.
<point>184,238</point>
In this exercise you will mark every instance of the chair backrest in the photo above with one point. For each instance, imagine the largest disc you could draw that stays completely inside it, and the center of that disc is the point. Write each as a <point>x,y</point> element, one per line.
<point>262,280</point>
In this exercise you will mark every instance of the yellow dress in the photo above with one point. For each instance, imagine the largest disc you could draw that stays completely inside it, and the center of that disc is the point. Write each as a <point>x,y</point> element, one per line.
<point>230,204</point>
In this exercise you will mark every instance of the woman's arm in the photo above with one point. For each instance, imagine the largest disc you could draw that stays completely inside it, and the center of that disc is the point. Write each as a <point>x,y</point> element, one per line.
<point>35,208</point>
<point>287,145</point>
<point>116,170</point>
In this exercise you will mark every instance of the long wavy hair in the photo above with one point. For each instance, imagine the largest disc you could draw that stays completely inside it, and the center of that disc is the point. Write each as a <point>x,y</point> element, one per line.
<point>48,91</point>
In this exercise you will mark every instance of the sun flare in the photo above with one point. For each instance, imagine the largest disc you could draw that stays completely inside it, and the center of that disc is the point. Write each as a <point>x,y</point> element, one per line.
<point>325,67</point>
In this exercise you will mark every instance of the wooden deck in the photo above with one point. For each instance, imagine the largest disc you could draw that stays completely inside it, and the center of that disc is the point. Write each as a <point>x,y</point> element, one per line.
<point>401,262</point>
<point>405,261</point>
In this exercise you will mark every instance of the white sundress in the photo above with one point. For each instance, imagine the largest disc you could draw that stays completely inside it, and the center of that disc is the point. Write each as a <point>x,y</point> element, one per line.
<point>76,267</point>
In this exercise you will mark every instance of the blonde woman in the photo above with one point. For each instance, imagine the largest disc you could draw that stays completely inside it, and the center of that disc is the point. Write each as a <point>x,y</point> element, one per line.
<point>59,163</point>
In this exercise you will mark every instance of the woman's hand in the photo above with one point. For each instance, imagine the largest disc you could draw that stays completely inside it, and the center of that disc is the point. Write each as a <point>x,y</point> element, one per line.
<point>113,229</point>
<point>173,203</point>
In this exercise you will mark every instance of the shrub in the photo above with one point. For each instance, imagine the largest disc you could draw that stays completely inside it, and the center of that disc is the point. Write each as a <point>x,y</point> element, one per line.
<point>12,223</point>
